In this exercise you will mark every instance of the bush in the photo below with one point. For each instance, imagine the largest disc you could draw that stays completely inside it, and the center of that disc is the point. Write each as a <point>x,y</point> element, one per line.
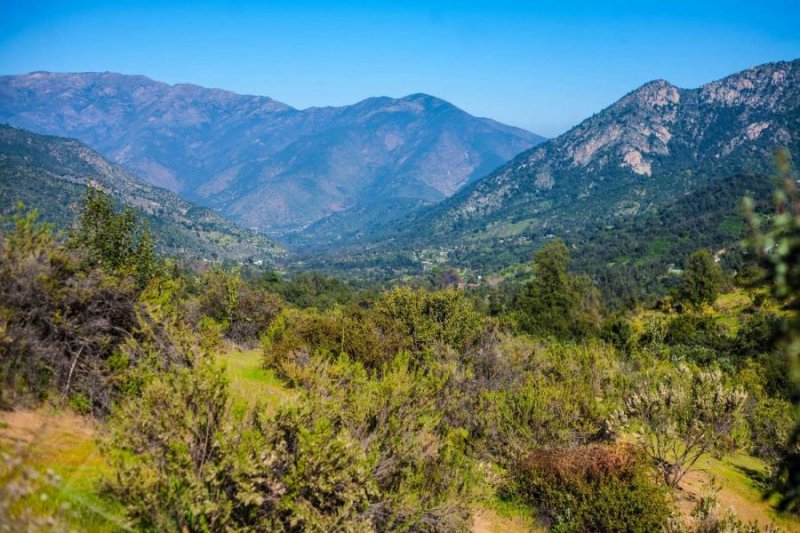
<point>758,334</point>
<point>302,472</point>
<point>594,488</point>
<point>167,450</point>
<point>244,309</point>
<point>61,324</point>
<point>418,322</point>
<point>685,416</point>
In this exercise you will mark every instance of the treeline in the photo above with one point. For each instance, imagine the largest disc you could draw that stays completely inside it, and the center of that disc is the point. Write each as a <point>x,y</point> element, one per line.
<point>411,404</point>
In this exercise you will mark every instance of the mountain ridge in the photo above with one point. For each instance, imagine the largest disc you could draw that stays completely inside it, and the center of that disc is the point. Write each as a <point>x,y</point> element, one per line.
<point>645,151</point>
<point>51,174</point>
<point>258,161</point>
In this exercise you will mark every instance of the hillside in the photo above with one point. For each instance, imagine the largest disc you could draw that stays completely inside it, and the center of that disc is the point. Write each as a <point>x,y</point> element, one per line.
<point>51,174</point>
<point>652,149</point>
<point>261,163</point>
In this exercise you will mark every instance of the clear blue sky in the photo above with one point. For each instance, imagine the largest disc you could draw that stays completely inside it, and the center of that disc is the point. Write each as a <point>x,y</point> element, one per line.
<point>540,65</point>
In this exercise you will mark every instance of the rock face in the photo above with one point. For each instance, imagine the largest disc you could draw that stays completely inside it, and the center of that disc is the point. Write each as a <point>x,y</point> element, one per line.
<point>258,161</point>
<point>51,174</point>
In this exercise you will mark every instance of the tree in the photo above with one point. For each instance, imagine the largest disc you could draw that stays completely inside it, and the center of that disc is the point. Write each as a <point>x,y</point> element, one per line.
<point>553,301</point>
<point>701,279</point>
<point>683,418</point>
<point>115,241</point>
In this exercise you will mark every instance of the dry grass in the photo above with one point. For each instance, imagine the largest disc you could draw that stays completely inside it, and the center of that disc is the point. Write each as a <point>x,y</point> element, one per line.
<point>66,443</point>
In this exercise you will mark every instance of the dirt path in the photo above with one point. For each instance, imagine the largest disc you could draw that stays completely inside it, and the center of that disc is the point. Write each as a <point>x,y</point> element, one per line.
<point>748,508</point>
<point>27,426</point>
<point>489,521</point>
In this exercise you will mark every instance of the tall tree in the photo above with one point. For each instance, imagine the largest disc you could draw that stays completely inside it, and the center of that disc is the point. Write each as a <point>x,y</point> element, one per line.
<point>114,240</point>
<point>554,301</point>
<point>702,279</point>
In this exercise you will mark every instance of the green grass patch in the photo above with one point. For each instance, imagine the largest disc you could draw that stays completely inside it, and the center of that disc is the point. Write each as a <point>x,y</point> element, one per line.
<point>743,478</point>
<point>251,383</point>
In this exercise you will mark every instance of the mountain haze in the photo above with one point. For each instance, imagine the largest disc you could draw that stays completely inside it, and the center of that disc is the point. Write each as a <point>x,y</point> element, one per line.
<point>262,163</point>
<point>51,174</point>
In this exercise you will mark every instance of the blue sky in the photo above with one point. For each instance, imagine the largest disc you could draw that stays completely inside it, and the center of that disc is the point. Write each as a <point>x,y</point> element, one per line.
<point>541,65</point>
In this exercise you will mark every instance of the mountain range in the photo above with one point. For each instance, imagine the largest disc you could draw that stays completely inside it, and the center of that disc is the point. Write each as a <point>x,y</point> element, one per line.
<point>638,158</point>
<point>262,163</point>
<point>51,174</point>
<point>389,187</point>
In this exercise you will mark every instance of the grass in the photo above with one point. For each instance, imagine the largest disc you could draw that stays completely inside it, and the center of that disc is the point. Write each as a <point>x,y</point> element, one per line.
<point>500,515</point>
<point>251,383</point>
<point>66,444</point>
<point>741,478</point>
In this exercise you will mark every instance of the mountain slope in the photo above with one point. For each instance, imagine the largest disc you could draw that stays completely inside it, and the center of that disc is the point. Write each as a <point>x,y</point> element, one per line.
<point>648,150</point>
<point>653,145</point>
<point>51,174</point>
<point>260,162</point>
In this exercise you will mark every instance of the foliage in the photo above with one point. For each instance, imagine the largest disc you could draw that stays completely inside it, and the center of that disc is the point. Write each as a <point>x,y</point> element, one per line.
<point>402,319</point>
<point>244,309</point>
<point>114,241</point>
<point>684,417</point>
<point>593,488</point>
<point>167,454</point>
<point>553,301</point>
<point>61,323</point>
<point>357,453</point>
<point>702,278</point>
<point>558,405</point>
<point>780,250</point>
<point>309,289</point>
<point>399,416</point>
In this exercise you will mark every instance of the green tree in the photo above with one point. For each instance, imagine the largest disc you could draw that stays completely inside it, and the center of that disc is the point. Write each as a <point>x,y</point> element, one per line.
<point>554,301</point>
<point>702,279</point>
<point>115,241</point>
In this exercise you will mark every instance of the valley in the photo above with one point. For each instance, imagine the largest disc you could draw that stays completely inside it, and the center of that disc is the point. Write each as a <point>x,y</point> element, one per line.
<point>221,312</point>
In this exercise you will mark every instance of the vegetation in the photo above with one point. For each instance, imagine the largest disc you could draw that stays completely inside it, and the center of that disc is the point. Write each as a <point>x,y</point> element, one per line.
<point>390,409</point>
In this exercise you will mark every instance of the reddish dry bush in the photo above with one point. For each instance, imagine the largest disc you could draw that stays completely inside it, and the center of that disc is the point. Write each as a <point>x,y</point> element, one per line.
<point>596,487</point>
<point>588,463</point>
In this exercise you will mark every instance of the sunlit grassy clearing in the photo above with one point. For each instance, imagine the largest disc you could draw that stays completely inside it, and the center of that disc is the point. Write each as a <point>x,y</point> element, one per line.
<point>251,383</point>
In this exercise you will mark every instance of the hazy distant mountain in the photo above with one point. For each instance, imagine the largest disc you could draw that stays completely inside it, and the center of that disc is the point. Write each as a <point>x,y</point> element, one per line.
<point>642,154</point>
<point>261,162</point>
<point>51,174</point>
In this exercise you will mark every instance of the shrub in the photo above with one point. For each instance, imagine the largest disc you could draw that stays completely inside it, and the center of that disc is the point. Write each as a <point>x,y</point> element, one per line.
<point>685,416</point>
<point>593,488</point>
<point>301,471</point>
<point>418,322</point>
<point>166,448</point>
<point>244,309</point>
<point>758,334</point>
<point>60,324</point>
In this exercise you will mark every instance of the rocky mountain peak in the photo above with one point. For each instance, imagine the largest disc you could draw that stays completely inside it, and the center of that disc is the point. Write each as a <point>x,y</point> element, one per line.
<point>765,86</point>
<point>654,94</point>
